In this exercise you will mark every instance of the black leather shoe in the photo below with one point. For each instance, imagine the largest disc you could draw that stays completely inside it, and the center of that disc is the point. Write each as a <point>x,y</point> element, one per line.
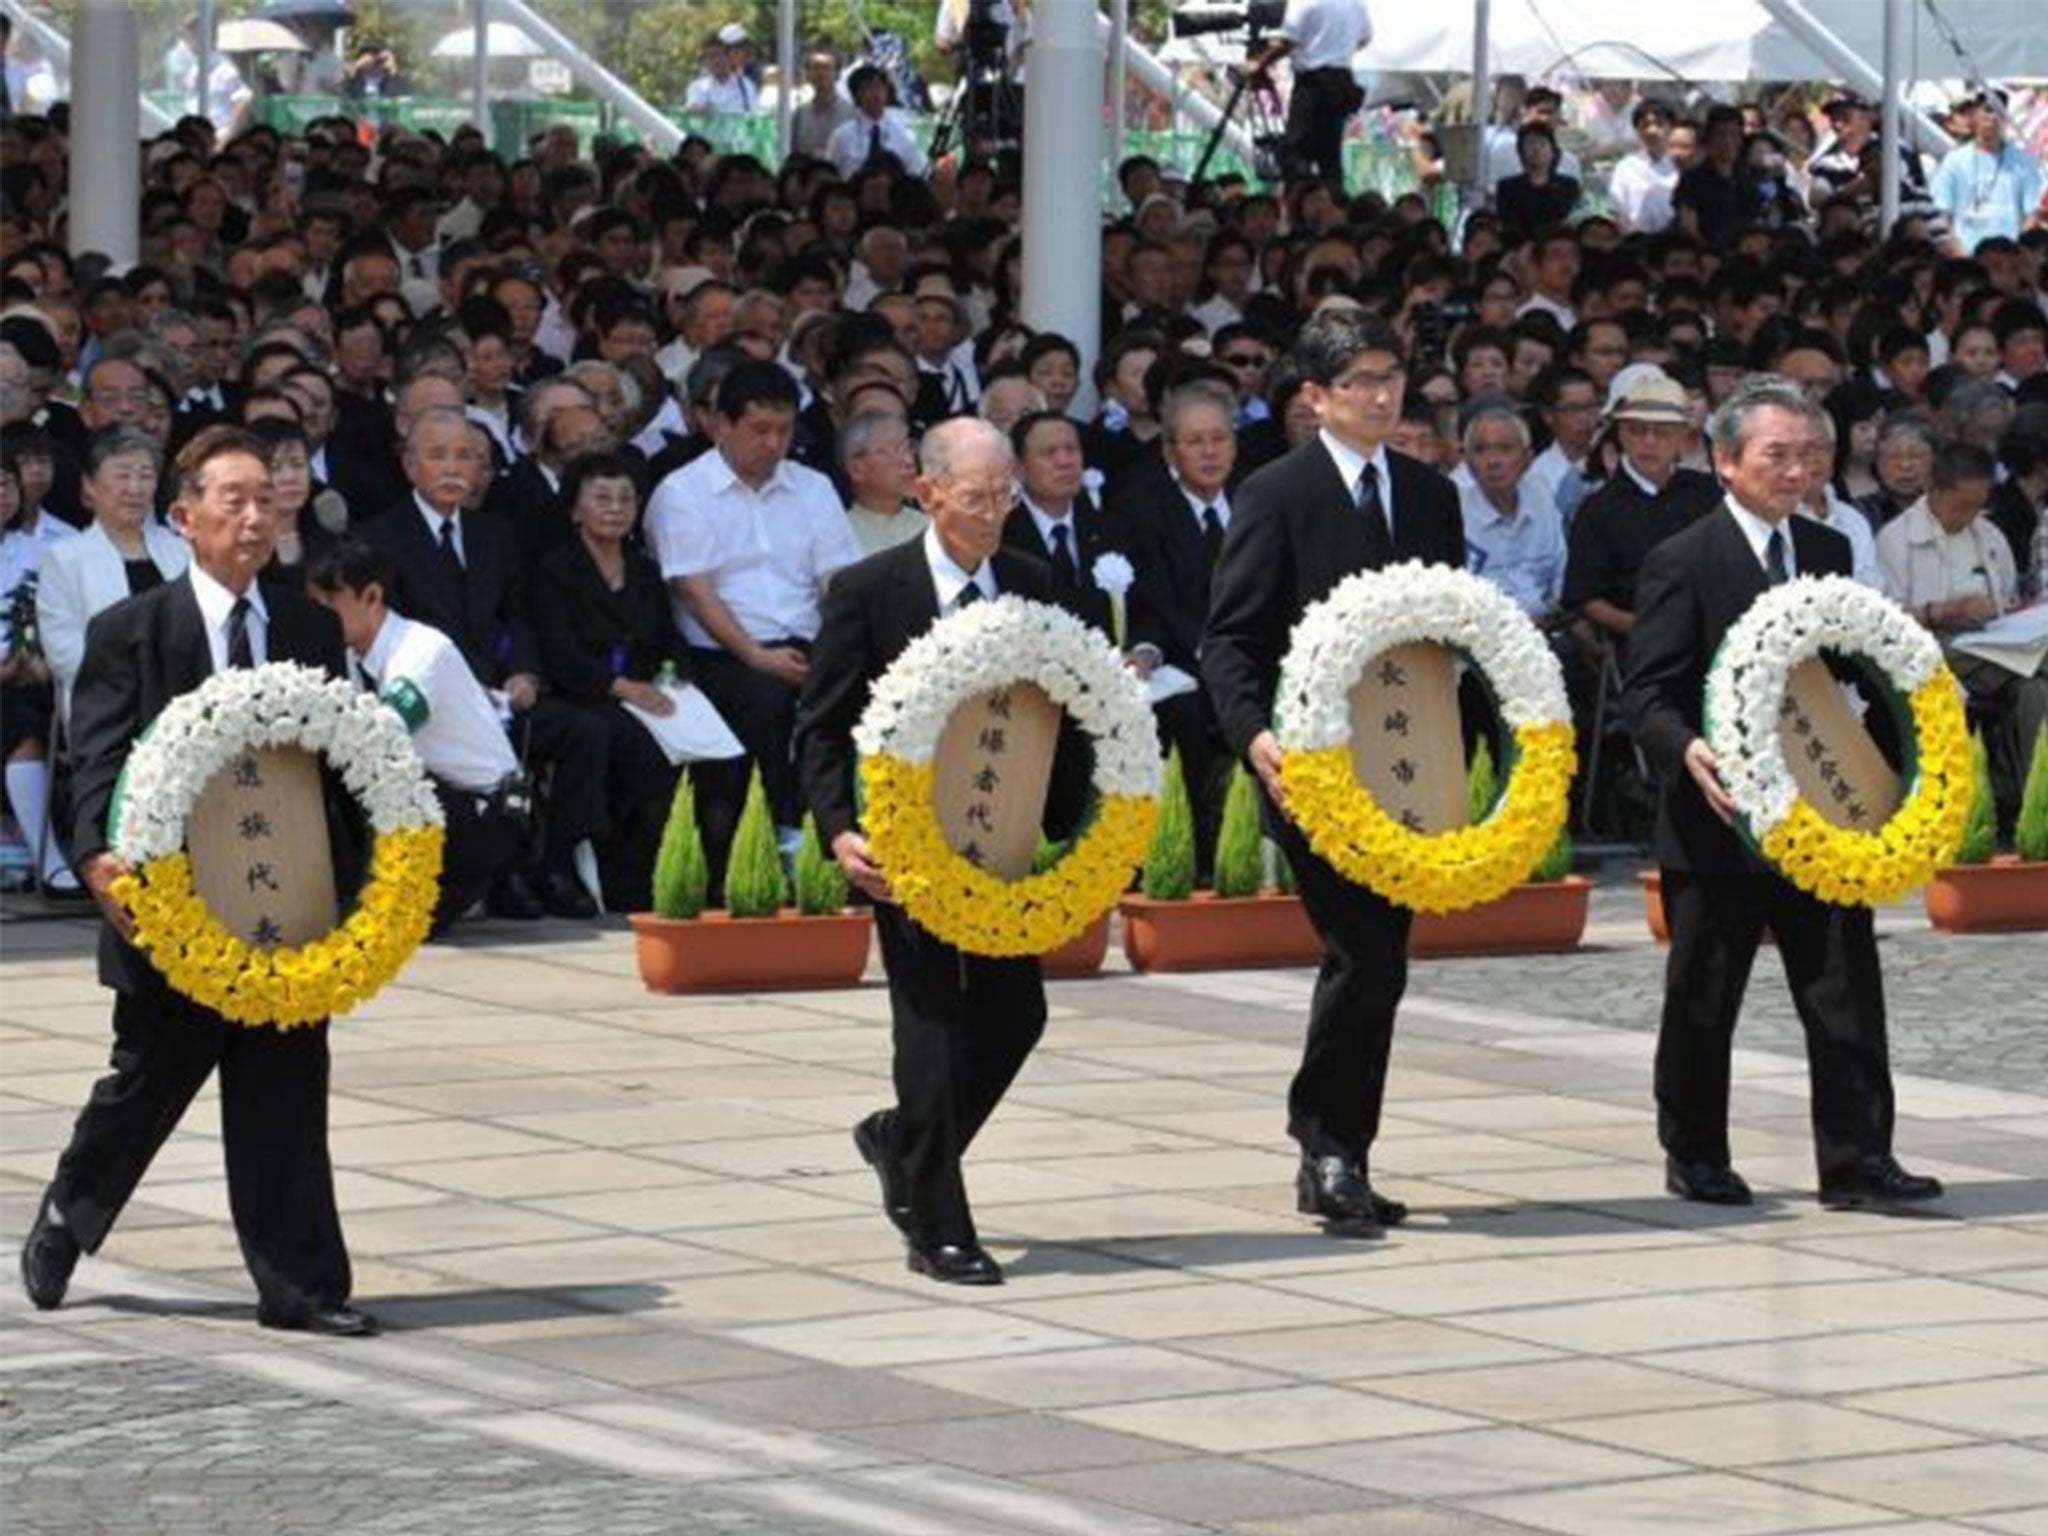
<point>564,896</point>
<point>340,1322</point>
<point>513,896</point>
<point>1878,1181</point>
<point>1333,1189</point>
<point>47,1259</point>
<point>1708,1183</point>
<point>871,1140</point>
<point>955,1263</point>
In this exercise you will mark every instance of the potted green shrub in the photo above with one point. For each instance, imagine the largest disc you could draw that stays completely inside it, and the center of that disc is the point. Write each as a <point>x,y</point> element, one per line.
<point>1172,927</point>
<point>1984,891</point>
<point>758,943</point>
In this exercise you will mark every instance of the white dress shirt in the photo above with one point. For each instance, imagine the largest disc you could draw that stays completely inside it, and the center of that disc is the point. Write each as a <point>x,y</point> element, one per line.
<point>1325,33</point>
<point>1852,525</point>
<point>949,581</point>
<point>1351,464</point>
<point>708,93</point>
<point>768,552</point>
<point>851,140</point>
<point>1758,531</point>
<point>1640,190</point>
<point>1546,473</point>
<point>217,612</point>
<point>1521,552</point>
<point>455,728</point>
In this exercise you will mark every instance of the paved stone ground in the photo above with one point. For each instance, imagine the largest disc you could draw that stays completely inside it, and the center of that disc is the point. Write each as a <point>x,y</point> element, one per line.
<point>631,1262</point>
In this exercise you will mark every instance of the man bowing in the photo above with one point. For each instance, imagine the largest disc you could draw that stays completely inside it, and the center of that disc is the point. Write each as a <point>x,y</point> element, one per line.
<point>962,1024</point>
<point>1338,504</point>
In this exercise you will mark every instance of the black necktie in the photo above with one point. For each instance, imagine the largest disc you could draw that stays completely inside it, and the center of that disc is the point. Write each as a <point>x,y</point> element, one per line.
<point>240,652</point>
<point>1774,558</point>
<point>450,555</point>
<point>1379,538</point>
<point>969,595</point>
<point>1212,534</point>
<point>874,143</point>
<point>1064,575</point>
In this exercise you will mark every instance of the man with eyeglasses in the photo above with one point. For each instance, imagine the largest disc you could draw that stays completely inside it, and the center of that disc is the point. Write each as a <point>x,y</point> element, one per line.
<point>1338,504</point>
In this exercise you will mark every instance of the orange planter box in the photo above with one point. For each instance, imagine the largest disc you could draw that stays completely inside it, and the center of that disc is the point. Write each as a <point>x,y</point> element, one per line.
<point>2007,895</point>
<point>721,953</point>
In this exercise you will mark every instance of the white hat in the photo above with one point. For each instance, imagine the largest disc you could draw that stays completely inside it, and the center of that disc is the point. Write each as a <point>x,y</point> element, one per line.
<point>733,35</point>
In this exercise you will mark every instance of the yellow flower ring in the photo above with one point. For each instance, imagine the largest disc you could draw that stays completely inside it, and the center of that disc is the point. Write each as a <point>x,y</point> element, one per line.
<point>234,713</point>
<point>984,647</point>
<point>1363,617</point>
<point>1902,662</point>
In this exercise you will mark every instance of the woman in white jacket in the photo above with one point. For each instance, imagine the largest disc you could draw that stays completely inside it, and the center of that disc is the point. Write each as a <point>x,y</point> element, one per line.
<point>125,550</point>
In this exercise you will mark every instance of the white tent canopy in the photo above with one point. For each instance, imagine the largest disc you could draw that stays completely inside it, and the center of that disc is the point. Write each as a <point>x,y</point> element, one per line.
<point>1706,40</point>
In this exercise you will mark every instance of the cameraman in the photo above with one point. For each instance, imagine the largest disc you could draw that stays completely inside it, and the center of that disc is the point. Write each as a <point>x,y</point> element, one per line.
<point>1320,37</point>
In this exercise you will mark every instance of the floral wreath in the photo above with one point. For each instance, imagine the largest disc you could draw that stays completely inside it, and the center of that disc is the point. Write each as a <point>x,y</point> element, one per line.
<point>1362,618</point>
<point>203,732</point>
<point>977,650</point>
<point>1746,698</point>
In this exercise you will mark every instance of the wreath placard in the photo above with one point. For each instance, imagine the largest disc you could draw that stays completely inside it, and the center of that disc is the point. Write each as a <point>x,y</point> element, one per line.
<point>1366,619</point>
<point>1827,834</point>
<point>963,662</point>
<point>241,722</point>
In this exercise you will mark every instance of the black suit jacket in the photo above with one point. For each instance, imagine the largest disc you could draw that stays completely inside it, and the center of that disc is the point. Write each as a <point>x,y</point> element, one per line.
<point>530,508</point>
<point>486,613</point>
<point>590,635</point>
<point>1169,604</point>
<point>1090,538</point>
<point>1695,585</point>
<point>1295,532</point>
<point>872,611</point>
<point>139,655</point>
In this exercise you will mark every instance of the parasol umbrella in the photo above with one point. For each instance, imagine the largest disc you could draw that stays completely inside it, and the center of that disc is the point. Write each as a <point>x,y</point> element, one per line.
<point>502,40</point>
<point>339,13</point>
<point>251,34</point>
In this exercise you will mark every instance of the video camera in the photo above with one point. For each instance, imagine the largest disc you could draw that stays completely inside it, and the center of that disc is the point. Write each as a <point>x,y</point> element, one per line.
<point>1255,18</point>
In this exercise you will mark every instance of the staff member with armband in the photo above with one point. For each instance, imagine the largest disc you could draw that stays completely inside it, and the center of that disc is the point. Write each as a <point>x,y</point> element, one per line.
<point>1318,39</point>
<point>1719,896</point>
<point>421,674</point>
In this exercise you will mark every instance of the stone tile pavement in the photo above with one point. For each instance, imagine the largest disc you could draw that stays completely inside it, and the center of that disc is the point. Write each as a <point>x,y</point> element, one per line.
<point>636,1280</point>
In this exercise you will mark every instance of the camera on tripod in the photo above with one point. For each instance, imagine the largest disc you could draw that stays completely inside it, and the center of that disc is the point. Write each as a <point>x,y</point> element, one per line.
<point>986,40</point>
<point>1255,18</point>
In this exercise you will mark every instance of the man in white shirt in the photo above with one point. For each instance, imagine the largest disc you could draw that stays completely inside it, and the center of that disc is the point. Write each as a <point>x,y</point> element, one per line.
<point>1642,183</point>
<point>1318,38</point>
<point>421,674</point>
<point>723,86</point>
<point>875,130</point>
<point>747,540</point>
<point>1512,539</point>
<point>1570,402</point>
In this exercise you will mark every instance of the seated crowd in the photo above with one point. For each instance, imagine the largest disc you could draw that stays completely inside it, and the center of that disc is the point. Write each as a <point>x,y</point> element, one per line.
<point>552,433</point>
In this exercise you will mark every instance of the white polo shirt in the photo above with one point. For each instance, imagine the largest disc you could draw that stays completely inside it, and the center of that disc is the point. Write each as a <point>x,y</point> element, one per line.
<point>418,671</point>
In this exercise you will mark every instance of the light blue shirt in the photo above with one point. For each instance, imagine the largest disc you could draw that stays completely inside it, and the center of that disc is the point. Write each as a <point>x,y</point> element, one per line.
<point>1985,195</point>
<point>1521,552</point>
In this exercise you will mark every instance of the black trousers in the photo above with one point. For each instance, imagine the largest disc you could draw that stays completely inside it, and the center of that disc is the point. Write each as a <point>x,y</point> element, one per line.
<point>762,712</point>
<point>962,1026</point>
<point>1318,108</point>
<point>1333,1106</point>
<point>273,1111</point>
<point>643,784</point>
<point>482,843</point>
<point>1830,954</point>
<point>1188,722</point>
<point>574,745</point>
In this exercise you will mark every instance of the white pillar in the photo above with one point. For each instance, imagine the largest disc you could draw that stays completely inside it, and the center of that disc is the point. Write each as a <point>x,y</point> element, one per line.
<point>203,94</point>
<point>1482,93</point>
<point>1063,156</point>
<point>1891,121</point>
<point>785,71</point>
<point>1119,76</point>
<point>106,134</point>
<point>480,68</point>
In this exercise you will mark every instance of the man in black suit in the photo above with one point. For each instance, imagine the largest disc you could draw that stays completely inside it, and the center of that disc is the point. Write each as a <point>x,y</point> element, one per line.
<point>139,656</point>
<point>962,1024</point>
<point>1175,516</point>
<point>1336,505</point>
<point>1718,896</point>
<point>1053,520</point>
<point>467,577</point>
